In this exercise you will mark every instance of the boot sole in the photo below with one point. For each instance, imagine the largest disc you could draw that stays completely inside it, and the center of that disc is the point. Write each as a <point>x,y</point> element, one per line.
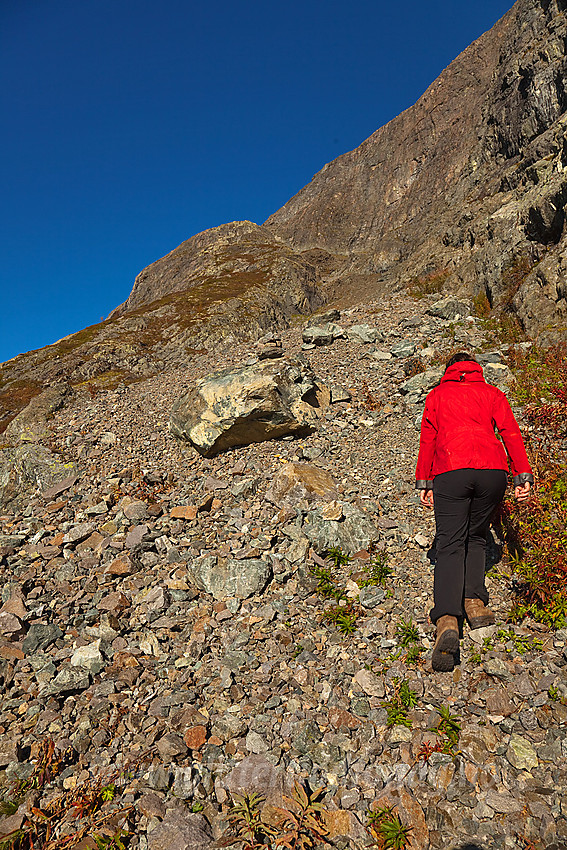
<point>444,652</point>
<point>481,622</point>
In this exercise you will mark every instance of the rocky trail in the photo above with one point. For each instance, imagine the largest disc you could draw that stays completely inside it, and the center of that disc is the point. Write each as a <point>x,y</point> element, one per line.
<point>163,632</point>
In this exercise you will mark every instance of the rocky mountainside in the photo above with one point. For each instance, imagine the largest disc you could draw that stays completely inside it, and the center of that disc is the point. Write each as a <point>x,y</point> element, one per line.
<point>170,634</point>
<point>464,192</point>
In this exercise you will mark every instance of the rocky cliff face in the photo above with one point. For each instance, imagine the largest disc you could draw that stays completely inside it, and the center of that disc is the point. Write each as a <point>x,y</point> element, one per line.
<point>470,180</point>
<point>469,184</point>
<point>465,190</point>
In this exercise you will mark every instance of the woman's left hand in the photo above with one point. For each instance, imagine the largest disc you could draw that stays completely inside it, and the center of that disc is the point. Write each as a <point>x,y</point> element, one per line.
<point>426,498</point>
<point>522,492</point>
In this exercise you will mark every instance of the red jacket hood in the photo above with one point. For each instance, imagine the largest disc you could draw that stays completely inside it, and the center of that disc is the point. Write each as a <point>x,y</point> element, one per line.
<point>464,370</point>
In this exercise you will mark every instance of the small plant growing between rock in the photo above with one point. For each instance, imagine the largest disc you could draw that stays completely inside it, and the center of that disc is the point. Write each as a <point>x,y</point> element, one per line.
<point>248,827</point>
<point>407,633</point>
<point>338,557</point>
<point>400,703</point>
<point>521,643</point>
<point>386,828</point>
<point>110,842</point>
<point>298,826</point>
<point>448,728</point>
<point>377,571</point>
<point>344,617</point>
<point>302,821</point>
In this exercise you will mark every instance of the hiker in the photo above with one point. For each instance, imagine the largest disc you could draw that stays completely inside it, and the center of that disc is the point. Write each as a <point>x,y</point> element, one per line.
<point>462,472</point>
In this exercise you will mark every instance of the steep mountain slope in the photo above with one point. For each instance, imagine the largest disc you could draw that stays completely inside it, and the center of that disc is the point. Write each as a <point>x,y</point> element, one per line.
<point>467,189</point>
<point>471,179</point>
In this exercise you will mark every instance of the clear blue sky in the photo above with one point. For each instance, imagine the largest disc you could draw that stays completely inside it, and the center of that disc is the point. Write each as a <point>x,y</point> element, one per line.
<point>130,125</point>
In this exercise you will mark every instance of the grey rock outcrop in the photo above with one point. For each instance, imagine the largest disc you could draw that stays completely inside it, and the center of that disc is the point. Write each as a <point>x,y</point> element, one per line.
<point>233,407</point>
<point>26,468</point>
<point>227,578</point>
<point>354,531</point>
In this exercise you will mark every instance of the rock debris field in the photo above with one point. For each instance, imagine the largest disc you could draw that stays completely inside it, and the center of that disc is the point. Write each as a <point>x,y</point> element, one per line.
<point>163,626</point>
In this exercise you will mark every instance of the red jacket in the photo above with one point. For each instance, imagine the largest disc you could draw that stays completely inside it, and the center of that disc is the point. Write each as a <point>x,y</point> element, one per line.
<point>457,428</point>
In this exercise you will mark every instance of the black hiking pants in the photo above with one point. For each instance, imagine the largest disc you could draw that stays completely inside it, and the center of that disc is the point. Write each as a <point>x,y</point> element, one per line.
<point>464,500</point>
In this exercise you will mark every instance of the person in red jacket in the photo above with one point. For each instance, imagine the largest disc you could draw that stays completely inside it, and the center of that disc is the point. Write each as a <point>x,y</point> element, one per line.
<point>462,472</point>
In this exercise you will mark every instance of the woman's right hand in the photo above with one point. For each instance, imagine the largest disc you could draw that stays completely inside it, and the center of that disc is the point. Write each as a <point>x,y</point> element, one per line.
<point>522,492</point>
<point>426,498</point>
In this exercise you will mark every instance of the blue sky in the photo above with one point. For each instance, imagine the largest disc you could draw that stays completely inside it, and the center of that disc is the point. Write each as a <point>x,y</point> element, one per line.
<point>130,125</point>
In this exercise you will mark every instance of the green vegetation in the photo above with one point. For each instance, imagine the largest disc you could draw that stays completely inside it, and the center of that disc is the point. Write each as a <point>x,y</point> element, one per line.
<point>298,826</point>
<point>377,571</point>
<point>345,618</point>
<point>449,729</point>
<point>386,828</point>
<point>536,532</point>
<point>403,699</point>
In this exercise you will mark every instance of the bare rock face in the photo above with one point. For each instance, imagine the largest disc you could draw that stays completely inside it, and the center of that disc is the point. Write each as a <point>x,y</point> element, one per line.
<point>469,184</point>
<point>31,424</point>
<point>235,407</point>
<point>25,468</point>
<point>466,191</point>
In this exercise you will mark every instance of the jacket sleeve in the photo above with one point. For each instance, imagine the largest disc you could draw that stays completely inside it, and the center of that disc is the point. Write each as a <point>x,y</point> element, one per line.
<point>510,432</point>
<point>428,439</point>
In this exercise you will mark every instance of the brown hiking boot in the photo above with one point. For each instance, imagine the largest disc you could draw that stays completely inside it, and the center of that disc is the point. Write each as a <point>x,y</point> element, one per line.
<point>446,644</point>
<point>477,614</point>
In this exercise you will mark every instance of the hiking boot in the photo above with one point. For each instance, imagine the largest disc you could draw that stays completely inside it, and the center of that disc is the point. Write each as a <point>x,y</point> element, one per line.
<point>446,644</point>
<point>477,614</point>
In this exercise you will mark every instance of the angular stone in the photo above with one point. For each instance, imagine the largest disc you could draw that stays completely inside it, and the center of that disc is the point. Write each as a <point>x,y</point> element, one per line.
<point>503,803</point>
<point>89,657</point>
<point>497,668</point>
<point>404,348</point>
<point>115,602</point>
<point>322,335</point>
<point>78,532</point>
<point>234,407</point>
<point>355,532</point>
<point>39,636</point>
<point>255,775</point>
<point>231,578</point>
<point>363,334</point>
<point>135,537</point>
<point>450,307</point>
<point>67,680</point>
<point>26,468</point>
<point>421,383</point>
<point>187,512</point>
<point>297,481</point>
<point>181,831</point>
<point>370,683</point>
<point>521,753</point>
<point>195,737</point>
<point>9,624</point>
<point>171,746</point>
<point>136,510</point>
<point>371,596</point>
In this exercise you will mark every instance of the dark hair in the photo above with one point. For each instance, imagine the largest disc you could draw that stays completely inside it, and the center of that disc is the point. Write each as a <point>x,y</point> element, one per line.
<point>458,358</point>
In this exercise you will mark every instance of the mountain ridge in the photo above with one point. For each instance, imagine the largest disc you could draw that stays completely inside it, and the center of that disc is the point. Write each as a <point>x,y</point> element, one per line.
<point>467,188</point>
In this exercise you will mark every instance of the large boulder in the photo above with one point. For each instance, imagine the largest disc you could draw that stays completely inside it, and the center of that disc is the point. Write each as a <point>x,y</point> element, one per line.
<point>235,407</point>
<point>226,577</point>
<point>26,468</point>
